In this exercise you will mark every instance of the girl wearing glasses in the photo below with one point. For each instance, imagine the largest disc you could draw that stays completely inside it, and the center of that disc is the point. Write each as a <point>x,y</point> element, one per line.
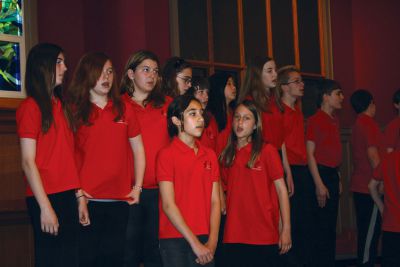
<point>176,77</point>
<point>141,89</point>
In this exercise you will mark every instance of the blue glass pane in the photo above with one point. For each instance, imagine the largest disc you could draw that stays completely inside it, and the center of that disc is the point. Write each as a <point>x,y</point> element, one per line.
<point>11,17</point>
<point>10,70</point>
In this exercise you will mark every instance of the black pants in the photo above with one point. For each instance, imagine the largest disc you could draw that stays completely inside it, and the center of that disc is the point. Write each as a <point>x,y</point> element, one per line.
<point>326,217</point>
<point>142,244</point>
<point>368,229</point>
<point>303,207</point>
<point>176,252</point>
<point>102,243</point>
<point>390,249</point>
<point>245,255</point>
<point>60,250</point>
<point>219,252</point>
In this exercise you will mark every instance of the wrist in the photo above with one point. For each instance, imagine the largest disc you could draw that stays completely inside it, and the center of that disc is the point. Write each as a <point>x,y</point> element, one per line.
<point>137,188</point>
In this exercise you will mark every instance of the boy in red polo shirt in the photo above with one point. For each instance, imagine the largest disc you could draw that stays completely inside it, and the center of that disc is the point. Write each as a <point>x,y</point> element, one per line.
<point>388,172</point>
<point>366,142</point>
<point>324,155</point>
<point>188,177</point>
<point>392,130</point>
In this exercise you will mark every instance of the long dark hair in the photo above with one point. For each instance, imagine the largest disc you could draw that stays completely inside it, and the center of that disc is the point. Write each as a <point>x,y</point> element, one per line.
<point>156,97</point>
<point>85,77</point>
<point>228,154</point>
<point>172,67</point>
<point>253,86</point>
<point>40,80</point>
<point>217,101</point>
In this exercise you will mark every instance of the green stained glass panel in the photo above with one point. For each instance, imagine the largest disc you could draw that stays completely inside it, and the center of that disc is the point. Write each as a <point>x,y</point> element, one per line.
<point>11,17</point>
<point>10,72</point>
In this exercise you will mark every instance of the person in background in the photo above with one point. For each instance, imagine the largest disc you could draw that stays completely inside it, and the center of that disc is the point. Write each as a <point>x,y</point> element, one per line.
<point>176,77</point>
<point>392,130</point>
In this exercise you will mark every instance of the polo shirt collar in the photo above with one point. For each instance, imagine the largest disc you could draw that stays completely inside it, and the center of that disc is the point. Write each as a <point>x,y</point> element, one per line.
<point>323,113</point>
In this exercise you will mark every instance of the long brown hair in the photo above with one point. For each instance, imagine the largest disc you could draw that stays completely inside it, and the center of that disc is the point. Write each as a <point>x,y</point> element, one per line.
<point>85,77</point>
<point>40,80</point>
<point>228,154</point>
<point>172,67</point>
<point>156,97</point>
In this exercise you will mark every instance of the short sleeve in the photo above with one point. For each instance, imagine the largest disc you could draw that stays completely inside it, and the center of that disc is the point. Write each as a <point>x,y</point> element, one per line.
<point>29,119</point>
<point>215,166</point>
<point>272,161</point>
<point>392,133</point>
<point>133,122</point>
<point>164,166</point>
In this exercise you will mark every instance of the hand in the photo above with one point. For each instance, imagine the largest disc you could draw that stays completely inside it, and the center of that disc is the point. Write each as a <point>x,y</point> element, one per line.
<point>290,185</point>
<point>211,246</point>
<point>134,196</point>
<point>83,211</point>
<point>203,253</point>
<point>285,242</point>
<point>322,193</point>
<point>381,188</point>
<point>87,195</point>
<point>49,221</point>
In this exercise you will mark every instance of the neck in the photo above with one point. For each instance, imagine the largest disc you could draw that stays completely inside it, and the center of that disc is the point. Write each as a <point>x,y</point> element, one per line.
<point>139,97</point>
<point>189,140</point>
<point>99,100</point>
<point>241,142</point>
<point>289,100</point>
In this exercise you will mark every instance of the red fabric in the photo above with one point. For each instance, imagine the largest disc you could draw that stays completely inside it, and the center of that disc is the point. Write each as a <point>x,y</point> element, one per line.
<point>210,134</point>
<point>323,130</point>
<point>252,202</point>
<point>389,172</point>
<point>192,177</point>
<point>153,125</point>
<point>392,134</point>
<point>103,153</point>
<point>272,123</point>
<point>54,149</point>
<point>365,134</point>
<point>222,138</point>
<point>293,123</point>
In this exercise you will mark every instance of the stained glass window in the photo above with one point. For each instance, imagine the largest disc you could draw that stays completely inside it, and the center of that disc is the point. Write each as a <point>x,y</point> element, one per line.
<point>10,71</point>
<point>11,17</point>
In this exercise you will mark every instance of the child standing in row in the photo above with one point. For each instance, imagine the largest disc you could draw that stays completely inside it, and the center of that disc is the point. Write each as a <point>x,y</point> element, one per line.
<point>392,130</point>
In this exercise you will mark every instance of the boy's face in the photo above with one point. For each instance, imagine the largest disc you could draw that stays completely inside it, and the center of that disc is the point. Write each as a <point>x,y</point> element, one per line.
<point>294,86</point>
<point>193,121</point>
<point>335,98</point>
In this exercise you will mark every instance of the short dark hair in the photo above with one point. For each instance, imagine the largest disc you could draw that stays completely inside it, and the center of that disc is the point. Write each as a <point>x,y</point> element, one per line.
<point>327,86</point>
<point>176,108</point>
<point>360,100</point>
<point>396,97</point>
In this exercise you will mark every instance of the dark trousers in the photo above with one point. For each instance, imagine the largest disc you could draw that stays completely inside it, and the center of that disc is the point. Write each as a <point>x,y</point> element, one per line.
<point>219,252</point>
<point>142,244</point>
<point>390,249</point>
<point>245,255</point>
<point>60,250</point>
<point>326,217</point>
<point>176,252</point>
<point>368,229</point>
<point>303,206</point>
<point>102,243</point>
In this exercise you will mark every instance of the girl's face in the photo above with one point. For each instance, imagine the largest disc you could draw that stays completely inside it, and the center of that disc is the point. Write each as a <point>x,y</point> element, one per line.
<point>269,75</point>
<point>243,123</point>
<point>230,90</point>
<point>184,80</point>
<point>104,83</point>
<point>202,95</point>
<point>145,76</point>
<point>61,68</point>
<point>193,121</point>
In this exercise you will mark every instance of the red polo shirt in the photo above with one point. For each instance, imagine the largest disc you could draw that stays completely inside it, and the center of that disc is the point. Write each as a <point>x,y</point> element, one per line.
<point>293,124</point>
<point>210,134</point>
<point>103,153</point>
<point>54,149</point>
<point>192,176</point>
<point>252,215</point>
<point>272,123</point>
<point>154,131</point>
<point>222,138</point>
<point>323,130</point>
<point>392,134</point>
<point>365,134</point>
<point>389,172</point>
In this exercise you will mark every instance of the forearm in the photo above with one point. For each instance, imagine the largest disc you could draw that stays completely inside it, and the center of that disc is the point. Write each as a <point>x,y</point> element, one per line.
<point>312,166</point>
<point>373,189</point>
<point>284,205</point>
<point>215,215</point>
<point>285,163</point>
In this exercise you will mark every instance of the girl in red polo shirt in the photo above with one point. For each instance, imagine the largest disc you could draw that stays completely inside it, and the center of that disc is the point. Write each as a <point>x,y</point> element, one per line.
<point>256,194</point>
<point>141,89</point>
<point>188,175</point>
<point>176,77</point>
<point>107,140</point>
<point>48,160</point>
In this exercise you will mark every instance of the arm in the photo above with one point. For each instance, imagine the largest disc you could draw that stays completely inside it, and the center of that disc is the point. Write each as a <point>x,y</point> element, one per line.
<point>373,156</point>
<point>140,165</point>
<point>173,213</point>
<point>373,189</point>
<point>321,190</point>
<point>222,198</point>
<point>48,217</point>
<point>215,217</point>
<point>82,207</point>
<point>285,241</point>
<point>288,171</point>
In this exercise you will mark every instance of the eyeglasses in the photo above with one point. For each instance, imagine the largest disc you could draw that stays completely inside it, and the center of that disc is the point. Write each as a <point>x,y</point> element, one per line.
<point>186,80</point>
<point>295,81</point>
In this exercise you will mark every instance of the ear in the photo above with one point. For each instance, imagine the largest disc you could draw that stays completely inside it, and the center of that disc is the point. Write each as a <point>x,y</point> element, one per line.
<point>176,121</point>
<point>131,74</point>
